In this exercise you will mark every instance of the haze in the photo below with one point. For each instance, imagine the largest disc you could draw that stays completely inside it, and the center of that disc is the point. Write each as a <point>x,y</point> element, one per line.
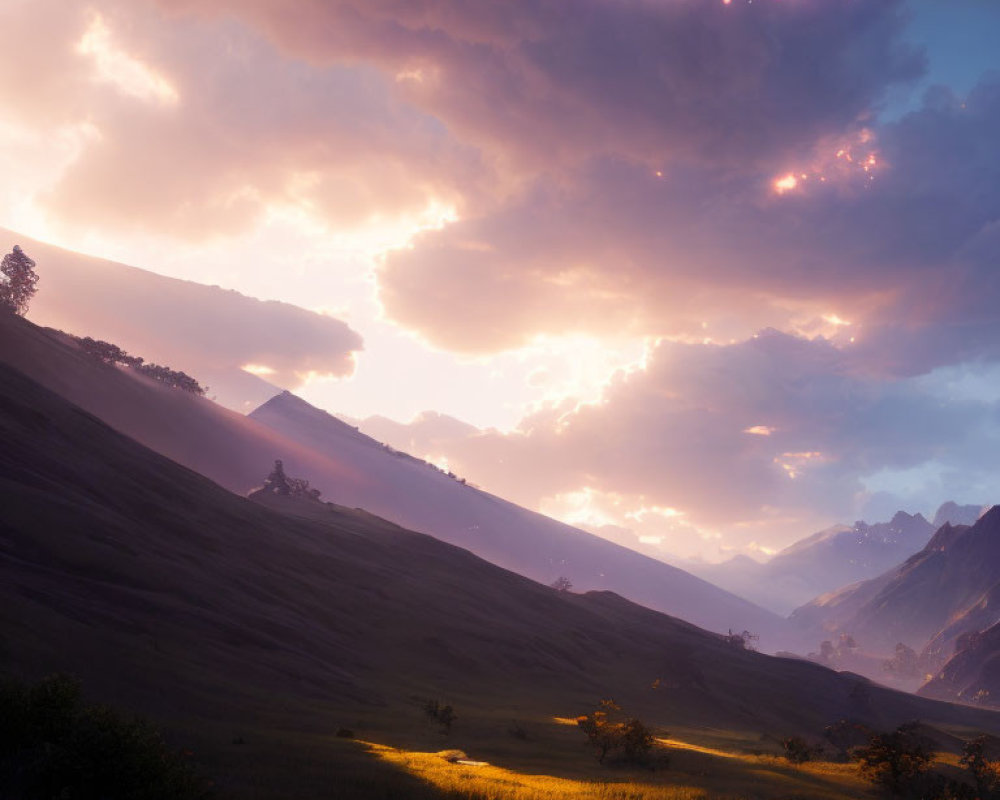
<point>701,276</point>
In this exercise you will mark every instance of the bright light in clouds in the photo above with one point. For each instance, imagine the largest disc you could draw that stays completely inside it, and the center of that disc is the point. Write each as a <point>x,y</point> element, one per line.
<point>259,370</point>
<point>793,463</point>
<point>847,161</point>
<point>583,507</point>
<point>836,321</point>
<point>786,184</point>
<point>759,430</point>
<point>123,71</point>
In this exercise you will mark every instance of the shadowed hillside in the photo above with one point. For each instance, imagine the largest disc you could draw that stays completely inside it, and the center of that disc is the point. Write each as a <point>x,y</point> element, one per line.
<point>354,470</point>
<point>170,595</point>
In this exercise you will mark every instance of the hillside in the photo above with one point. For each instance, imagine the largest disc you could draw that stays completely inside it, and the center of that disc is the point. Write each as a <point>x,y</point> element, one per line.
<point>208,331</point>
<point>355,471</point>
<point>972,674</point>
<point>219,615</point>
<point>419,496</point>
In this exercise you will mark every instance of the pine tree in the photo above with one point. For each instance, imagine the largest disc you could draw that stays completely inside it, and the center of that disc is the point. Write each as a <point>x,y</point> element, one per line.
<point>19,283</point>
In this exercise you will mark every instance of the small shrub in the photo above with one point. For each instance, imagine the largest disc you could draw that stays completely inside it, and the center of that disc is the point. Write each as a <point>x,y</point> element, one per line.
<point>53,745</point>
<point>744,640</point>
<point>442,715</point>
<point>517,731</point>
<point>985,773</point>
<point>797,751</point>
<point>637,741</point>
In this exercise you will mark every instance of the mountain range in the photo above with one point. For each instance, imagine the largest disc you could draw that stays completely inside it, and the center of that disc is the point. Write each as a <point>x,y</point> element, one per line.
<point>931,603</point>
<point>830,559</point>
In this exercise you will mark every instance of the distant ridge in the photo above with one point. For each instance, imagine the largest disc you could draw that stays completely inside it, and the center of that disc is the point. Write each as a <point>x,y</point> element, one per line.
<point>418,495</point>
<point>825,561</point>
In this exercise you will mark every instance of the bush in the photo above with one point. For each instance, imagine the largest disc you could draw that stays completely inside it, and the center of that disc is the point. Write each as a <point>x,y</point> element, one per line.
<point>630,738</point>
<point>896,761</point>
<point>108,353</point>
<point>985,773</point>
<point>443,715</point>
<point>743,640</point>
<point>54,746</point>
<point>797,750</point>
<point>847,735</point>
<point>517,730</point>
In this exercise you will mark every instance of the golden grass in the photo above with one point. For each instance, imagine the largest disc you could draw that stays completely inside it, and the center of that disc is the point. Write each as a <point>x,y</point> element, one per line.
<point>495,783</point>
<point>698,769</point>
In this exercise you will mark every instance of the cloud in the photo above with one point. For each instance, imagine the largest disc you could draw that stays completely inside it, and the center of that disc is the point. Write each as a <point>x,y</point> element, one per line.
<point>200,128</point>
<point>903,249</point>
<point>677,436</point>
<point>200,329</point>
<point>613,168</point>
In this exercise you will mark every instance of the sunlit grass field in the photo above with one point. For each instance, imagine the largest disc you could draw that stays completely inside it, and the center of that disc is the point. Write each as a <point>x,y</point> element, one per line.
<point>686,765</point>
<point>694,772</point>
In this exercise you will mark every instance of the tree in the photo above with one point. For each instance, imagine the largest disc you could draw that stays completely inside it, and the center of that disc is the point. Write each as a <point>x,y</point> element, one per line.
<point>630,736</point>
<point>985,773</point>
<point>443,715</point>
<point>743,640</point>
<point>797,750</point>
<point>904,663</point>
<point>562,584</point>
<point>896,761</point>
<point>845,735</point>
<point>20,281</point>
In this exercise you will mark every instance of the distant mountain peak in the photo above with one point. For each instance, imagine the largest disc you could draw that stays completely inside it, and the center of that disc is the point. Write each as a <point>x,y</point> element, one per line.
<point>901,518</point>
<point>944,537</point>
<point>952,512</point>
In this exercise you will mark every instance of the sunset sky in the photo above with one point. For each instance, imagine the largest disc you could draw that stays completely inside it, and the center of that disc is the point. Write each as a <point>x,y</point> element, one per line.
<point>703,275</point>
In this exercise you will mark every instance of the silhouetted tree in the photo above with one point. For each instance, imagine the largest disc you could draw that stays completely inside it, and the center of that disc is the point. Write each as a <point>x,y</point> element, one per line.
<point>845,735</point>
<point>562,584</point>
<point>443,715</point>
<point>904,663</point>
<point>277,482</point>
<point>826,651</point>
<point>630,736</point>
<point>797,750</point>
<point>19,282</point>
<point>896,761</point>
<point>280,483</point>
<point>108,353</point>
<point>985,773</point>
<point>743,640</point>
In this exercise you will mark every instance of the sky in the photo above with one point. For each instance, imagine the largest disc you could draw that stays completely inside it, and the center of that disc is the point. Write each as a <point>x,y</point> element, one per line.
<point>704,276</point>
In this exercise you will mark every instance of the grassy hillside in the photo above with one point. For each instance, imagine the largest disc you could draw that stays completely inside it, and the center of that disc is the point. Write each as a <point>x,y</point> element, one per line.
<point>354,470</point>
<point>255,635</point>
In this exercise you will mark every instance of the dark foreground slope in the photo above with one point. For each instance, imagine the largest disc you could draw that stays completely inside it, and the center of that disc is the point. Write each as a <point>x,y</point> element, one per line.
<point>168,594</point>
<point>354,470</point>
